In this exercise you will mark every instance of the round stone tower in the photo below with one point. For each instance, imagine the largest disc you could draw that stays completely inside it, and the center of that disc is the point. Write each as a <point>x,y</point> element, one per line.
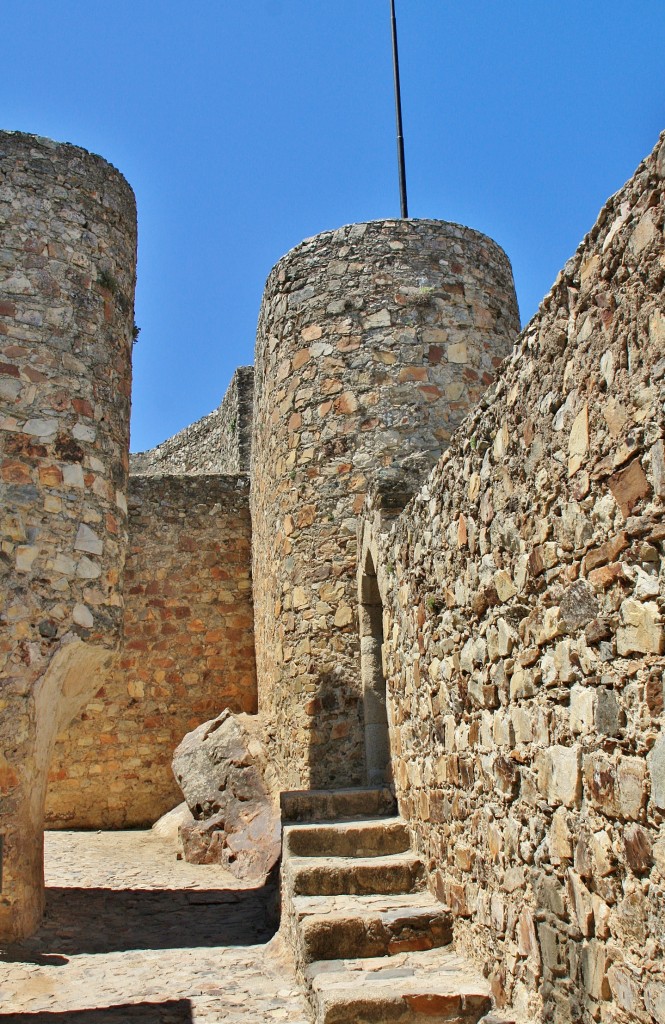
<point>373,343</point>
<point>67,275</point>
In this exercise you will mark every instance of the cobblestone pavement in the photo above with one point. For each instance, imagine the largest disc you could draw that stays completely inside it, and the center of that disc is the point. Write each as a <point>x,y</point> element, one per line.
<point>134,936</point>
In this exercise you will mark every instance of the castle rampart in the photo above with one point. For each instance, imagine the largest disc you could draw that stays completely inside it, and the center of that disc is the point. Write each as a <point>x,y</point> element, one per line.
<point>220,442</point>
<point>523,598</point>
<point>373,343</point>
<point>67,273</point>
<point>188,653</point>
<point>495,646</point>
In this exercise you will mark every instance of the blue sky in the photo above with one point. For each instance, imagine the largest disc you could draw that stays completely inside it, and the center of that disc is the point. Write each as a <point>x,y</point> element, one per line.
<point>245,127</point>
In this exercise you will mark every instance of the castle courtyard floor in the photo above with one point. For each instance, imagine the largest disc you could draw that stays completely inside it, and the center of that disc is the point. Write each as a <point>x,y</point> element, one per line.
<point>134,936</point>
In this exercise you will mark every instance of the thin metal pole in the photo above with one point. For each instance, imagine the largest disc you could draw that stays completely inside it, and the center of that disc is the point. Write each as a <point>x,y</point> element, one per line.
<point>398,112</point>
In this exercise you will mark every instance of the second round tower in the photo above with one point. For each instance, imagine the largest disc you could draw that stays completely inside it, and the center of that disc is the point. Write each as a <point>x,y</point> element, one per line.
<point>373,343</point>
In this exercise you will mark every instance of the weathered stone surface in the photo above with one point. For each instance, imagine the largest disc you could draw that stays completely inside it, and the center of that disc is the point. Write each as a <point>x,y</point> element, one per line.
<point>581,901</point>
<point>594,970</point>
<point>219,443</point>
<point>637,843</point>
<point>551,488</point>
<point>642,631</point>
<point>225,776</point>
<point>609,716</point>
<point>578,605</point>
<point>656,763</point>
<point>629,485</point>
<point>188,652</point>
<point>514,608</point>
<point>654,1000</point>
<point>67,275</point>
<point>626,986</point>
<point>560,776</point>
<point>364,335</point>
<point>169,825</point>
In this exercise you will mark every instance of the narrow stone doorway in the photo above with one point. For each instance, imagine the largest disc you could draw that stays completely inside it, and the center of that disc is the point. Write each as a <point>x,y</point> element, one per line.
<point>377,744</point>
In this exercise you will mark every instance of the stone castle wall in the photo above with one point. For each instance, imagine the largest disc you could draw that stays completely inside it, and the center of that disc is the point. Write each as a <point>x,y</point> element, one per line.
<point>373,342</point>
<point>188,653</point>
<point>523,594</point>
<point>218,443</point>
<point>67,273</point>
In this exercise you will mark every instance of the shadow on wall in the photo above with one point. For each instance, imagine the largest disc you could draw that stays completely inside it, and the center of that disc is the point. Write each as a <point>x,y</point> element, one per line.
<point>173,1011</point>
<point>335,708</point>
<point>377,744</point>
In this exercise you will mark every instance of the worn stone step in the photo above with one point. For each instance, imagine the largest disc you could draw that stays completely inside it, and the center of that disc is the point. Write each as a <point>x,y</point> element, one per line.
<point>337,804</point>
<point>429,987</point>
<point>374,838</point>
<point>336,927</point>
<point>356,876</point>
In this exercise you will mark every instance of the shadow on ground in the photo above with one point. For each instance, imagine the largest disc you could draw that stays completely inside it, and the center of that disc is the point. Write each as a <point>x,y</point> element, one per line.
<point>174,1011</point>
<point>116,920</point>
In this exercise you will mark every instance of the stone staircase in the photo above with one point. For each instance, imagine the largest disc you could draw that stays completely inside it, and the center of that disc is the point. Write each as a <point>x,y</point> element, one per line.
<point>371,944</point>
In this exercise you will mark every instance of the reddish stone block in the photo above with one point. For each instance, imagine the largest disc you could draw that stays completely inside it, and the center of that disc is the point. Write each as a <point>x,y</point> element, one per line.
<point>607,575</point>
<point>50,476</point>
<point>430,391</point>
<point>82,407</point>
<point>33,375</point>
<point>15,472</point>
<point>629,486</point>
<point>411,373</point>
<point>607,552</point>
<point>8,778</point>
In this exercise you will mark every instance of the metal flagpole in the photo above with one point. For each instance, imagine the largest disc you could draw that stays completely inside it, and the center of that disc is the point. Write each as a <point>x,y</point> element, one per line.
<point>398,112</point>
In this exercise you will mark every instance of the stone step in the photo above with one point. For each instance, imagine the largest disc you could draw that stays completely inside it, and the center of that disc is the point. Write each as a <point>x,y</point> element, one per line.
<point>335,927</point>
<point>429,987</point>
<point>374,838</point>
<point>337,804</point>
<point>356,876</point>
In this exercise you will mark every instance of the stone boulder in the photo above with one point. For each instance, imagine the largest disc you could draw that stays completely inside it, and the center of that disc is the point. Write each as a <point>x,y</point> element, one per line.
<point>225,776</point>
<point>169,825</point>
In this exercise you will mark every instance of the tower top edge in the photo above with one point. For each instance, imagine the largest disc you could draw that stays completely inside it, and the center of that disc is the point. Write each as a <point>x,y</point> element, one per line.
<point>9,138</point>
<point>394,226</point>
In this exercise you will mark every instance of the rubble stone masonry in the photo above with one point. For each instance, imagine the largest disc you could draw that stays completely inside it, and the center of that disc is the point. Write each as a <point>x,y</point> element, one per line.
<point>373,342</point>
<point>523,594</point>
<point>67,272</point>
<point>220,442</point>
<point>188,653</point>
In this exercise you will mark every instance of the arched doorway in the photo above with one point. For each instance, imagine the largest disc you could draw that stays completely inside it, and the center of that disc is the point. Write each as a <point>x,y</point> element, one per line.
<point>377,744</point>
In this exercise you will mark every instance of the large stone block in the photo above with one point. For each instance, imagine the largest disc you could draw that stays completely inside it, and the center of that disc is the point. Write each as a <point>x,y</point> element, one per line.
<point>656,763</point>
<point>225,775</point>
<point>560,775</point>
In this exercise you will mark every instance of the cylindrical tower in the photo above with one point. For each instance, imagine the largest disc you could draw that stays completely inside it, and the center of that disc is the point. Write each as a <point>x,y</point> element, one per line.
<point>67,275</point>
<point>373,343</point>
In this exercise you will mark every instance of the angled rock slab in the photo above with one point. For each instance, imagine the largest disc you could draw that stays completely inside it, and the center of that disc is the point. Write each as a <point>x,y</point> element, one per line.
<point>223,771</point>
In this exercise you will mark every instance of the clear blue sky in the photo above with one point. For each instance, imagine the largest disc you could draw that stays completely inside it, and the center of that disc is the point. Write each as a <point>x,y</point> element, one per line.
<point>245,127</point>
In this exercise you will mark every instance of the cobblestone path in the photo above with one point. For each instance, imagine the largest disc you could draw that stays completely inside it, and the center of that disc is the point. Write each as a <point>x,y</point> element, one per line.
<point>134,936</point>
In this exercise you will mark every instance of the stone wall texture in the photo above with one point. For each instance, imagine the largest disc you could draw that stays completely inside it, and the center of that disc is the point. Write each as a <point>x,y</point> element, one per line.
<point>188,653</point>
<point>373,342</point>
<point>67,272</point>
<point>523,594</point>
<point>219,443</point>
